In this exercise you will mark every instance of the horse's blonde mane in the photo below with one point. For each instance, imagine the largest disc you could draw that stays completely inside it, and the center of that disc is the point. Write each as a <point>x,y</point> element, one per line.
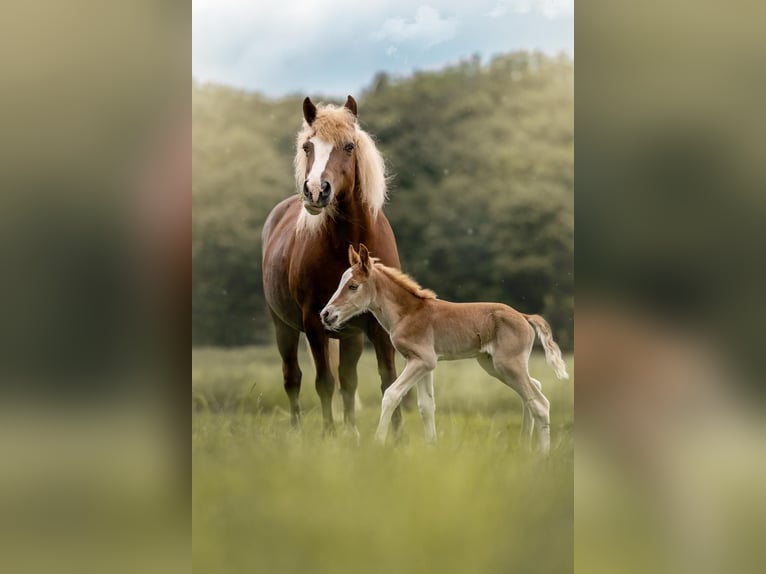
<point>339,126</point>
<point>405,281</point>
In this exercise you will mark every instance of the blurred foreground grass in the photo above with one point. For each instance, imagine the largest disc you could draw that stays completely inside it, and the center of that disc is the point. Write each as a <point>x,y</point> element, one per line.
<point>268,499</point>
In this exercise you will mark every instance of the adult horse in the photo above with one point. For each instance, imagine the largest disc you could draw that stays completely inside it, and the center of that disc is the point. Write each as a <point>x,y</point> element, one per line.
<point>341,180</point>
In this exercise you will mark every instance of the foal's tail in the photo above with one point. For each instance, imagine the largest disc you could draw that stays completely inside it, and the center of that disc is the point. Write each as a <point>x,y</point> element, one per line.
<point>552,351</point>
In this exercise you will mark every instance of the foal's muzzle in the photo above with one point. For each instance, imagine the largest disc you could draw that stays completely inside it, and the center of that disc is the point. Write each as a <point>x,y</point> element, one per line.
<point>329,319</point>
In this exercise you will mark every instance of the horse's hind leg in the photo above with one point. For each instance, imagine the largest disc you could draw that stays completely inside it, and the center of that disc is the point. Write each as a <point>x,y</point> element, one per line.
<point>350,351</point>
<point>325,382</point>
<point>287,343</point>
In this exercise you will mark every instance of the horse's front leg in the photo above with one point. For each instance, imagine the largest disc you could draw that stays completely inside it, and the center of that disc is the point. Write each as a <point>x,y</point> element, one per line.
<point>350,351</point>
<point>287,343</point>
<point>386,358</point>
<point>412,373</point>
<point>325,383</point>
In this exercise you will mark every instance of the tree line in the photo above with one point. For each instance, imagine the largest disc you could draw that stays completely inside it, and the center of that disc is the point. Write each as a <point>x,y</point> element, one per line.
<point>481,195</point>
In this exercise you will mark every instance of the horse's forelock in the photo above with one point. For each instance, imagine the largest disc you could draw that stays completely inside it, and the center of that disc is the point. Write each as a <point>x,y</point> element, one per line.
<point>333,124</point>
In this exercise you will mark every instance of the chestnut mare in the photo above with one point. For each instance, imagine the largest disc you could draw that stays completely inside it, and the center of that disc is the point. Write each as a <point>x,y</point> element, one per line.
<point>425,330</point>
<point>342,187</point>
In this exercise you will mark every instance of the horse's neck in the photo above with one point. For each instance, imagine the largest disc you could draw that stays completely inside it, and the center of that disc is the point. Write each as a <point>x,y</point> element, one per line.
<point>353,221</point>
<point>392,302</point>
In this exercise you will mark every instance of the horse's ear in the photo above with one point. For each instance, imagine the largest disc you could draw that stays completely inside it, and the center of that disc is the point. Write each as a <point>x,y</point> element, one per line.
<point>353,256</point>
<point>309,111</point>
<point>351,105</point>
<point>364,257</point>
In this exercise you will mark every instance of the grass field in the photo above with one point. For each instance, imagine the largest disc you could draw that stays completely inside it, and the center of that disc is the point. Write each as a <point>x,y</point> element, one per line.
<point>270,500</point>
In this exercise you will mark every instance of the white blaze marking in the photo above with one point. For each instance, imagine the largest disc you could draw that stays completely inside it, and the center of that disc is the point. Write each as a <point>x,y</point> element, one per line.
<point>322,151</point>
<point>343,280</point>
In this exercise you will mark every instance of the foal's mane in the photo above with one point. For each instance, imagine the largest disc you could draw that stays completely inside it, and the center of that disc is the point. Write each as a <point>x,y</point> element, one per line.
<point>339,126</point>
<point>404,281</point>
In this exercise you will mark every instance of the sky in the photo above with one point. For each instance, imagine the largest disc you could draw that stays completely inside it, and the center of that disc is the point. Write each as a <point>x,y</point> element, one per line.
<point>335,47</point>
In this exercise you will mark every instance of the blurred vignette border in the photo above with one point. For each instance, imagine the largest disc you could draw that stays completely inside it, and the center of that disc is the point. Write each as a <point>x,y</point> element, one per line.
<point>94,235</point>
<point>669,180</point>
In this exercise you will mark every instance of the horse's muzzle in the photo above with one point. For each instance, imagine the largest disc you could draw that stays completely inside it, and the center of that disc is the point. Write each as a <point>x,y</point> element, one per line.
<point>313,208</point>
<point>316,200</point>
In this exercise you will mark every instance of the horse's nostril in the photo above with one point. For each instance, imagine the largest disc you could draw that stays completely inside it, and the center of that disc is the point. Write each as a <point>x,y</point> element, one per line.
<point>306,191</point>
<point>325,313</point>
<point>325,188</point>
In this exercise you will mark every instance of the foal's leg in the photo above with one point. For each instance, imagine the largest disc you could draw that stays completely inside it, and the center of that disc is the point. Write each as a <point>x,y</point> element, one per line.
<point>514,372</point>
<point>350,351</point>
<point>412,373</point>
<point>287,343</point>
<point>325,383</point>
<point>386,358</point>
<point>527,421</point>
<point>516,376</point>
<point>427,405</point>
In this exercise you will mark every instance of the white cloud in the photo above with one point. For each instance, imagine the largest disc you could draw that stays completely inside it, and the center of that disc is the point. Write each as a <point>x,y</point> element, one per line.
<point>336,46</point>
<point>551,9</point>
<point>427,27</point>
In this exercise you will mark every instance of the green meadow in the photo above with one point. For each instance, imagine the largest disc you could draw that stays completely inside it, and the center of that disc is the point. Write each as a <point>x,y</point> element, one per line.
<point>270,500</point>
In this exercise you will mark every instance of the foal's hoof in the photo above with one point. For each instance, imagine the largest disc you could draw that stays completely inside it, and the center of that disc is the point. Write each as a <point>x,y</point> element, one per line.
<point>329,431</point>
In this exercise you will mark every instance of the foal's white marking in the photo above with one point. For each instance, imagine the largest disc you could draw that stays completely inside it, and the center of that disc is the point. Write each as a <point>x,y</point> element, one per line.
<point>343,280</point>
<point>322,151</point>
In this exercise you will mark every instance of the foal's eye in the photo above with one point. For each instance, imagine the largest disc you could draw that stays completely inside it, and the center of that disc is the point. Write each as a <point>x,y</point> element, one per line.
<point>306,147</point>
<point>349,147</point>
<point>353,287</point>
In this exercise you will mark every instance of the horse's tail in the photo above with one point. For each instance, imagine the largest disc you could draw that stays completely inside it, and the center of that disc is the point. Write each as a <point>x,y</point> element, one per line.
<point>552,351</point>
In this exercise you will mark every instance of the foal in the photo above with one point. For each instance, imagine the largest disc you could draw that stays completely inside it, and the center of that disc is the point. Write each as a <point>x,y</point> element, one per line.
<point>425,330</point>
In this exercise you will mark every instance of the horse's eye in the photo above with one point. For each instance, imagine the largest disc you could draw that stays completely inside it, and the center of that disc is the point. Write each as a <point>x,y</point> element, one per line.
<point>353,287</point>
<point>306,147</point>
<point>349,147</point>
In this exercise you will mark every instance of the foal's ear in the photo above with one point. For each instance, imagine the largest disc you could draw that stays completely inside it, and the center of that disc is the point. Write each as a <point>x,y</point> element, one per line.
<point>351,105</point>
<point>353,256</point>
<point>309,111</point>
<point>364,257</point>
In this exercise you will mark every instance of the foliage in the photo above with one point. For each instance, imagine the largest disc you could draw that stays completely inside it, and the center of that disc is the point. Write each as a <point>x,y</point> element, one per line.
<point>481,195</point>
